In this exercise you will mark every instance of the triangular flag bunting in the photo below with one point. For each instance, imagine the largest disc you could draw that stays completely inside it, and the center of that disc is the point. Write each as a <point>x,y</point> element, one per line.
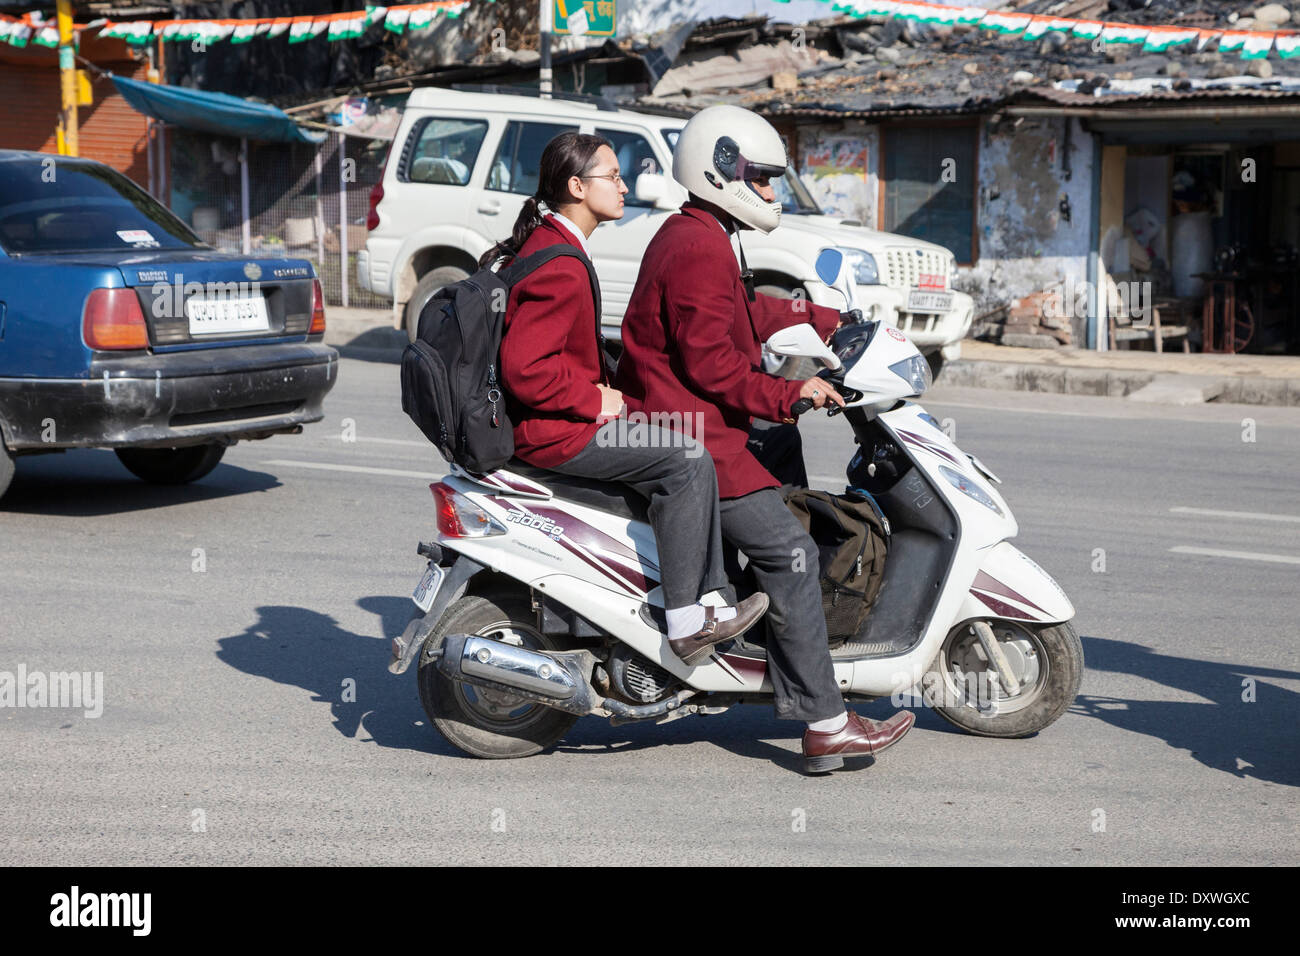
<point>1160,39</point>
<point>347,27</point>
<point>1256,46</point>
<point>1004,22</point>
<point>1122,33</point>
<point>1287,46</point>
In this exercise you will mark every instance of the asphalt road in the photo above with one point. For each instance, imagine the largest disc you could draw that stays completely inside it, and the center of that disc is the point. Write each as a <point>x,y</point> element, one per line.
<point>228,618</point>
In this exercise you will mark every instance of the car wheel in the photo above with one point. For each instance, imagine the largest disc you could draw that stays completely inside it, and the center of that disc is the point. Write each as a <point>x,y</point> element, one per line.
<point>171,466</point>
<point>6,469</point>
<point>793,367</point>
<point>429,283</point>
<point>935,361</point>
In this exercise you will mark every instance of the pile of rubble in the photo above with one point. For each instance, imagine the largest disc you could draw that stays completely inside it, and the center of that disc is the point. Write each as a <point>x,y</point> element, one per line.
<point>1036,321</point>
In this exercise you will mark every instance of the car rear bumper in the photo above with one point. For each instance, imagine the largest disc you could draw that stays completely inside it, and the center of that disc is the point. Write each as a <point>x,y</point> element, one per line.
<point>171,400</point>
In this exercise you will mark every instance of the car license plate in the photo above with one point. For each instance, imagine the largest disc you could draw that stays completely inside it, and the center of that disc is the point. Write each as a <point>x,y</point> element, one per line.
<point>213,316</point>
<point>922,301</point>
<point>427,589</point>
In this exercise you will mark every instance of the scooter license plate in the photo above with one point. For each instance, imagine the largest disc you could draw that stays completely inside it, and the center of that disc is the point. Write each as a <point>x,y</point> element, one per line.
<point>427,589</point>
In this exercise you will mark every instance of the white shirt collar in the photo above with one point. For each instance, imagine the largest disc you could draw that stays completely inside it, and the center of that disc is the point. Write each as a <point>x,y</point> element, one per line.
<point>573,228</point>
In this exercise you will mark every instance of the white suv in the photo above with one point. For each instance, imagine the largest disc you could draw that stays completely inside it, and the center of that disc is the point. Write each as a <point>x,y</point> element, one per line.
<point>462,164</point>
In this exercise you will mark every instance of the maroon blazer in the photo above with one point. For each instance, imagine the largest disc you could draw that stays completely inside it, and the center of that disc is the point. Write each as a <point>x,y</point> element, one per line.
<point>692,343</point>
<point>550,355</point>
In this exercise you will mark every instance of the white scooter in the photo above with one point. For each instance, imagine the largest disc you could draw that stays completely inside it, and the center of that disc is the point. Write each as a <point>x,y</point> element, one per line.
<point>541,603</point>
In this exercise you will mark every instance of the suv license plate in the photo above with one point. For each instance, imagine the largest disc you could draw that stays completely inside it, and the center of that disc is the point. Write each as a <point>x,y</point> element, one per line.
<point>233,314</point>
<point>427,589</point>
<point>921,301</point>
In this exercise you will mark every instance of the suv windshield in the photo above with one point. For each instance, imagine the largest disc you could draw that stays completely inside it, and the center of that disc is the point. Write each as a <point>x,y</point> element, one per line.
<point>791,193</point>
<point>55,206</point>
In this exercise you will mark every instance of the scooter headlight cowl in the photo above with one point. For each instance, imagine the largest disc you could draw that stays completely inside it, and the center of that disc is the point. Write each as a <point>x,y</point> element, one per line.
<point>970,489</point>
<point>915,371</point>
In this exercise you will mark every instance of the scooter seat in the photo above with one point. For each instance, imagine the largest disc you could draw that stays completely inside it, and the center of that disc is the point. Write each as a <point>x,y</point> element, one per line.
<point>608,496</point>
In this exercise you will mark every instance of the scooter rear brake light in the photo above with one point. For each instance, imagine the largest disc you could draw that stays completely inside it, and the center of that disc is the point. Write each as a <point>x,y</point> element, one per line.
<point>458,517</point>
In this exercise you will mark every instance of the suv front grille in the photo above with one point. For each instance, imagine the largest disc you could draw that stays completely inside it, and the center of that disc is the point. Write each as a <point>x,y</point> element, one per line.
<point>903,269</point>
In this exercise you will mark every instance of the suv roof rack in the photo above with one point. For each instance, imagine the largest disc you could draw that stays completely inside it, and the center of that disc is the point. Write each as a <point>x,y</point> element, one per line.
<point>603,103</point>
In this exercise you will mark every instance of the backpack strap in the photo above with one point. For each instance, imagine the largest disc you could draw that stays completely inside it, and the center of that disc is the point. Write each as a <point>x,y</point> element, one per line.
<point>520,268</point>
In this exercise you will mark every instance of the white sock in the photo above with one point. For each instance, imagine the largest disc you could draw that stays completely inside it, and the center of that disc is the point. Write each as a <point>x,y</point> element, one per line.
<point>830,725</point>
<point>685,621</point>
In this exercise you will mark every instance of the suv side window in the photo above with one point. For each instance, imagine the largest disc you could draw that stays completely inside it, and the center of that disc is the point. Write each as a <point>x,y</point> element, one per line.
<point>442,151</point>
<point>635,156</point>
<point>516,168</point>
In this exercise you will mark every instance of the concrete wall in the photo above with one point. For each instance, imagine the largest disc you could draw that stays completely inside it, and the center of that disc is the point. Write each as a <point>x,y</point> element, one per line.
<point>1026,241</point>
<point>840,165</point>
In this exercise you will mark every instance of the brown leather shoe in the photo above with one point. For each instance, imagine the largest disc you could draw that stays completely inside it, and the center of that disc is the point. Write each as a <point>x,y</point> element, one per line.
<point>698,645</point>
<point>823,752</point>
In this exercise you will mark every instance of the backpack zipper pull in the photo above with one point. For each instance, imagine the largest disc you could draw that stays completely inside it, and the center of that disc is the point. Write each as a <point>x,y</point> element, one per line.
<point>493,395</point>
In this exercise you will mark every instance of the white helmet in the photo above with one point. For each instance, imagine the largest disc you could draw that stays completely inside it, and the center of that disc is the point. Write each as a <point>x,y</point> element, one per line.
<point>720,150</point>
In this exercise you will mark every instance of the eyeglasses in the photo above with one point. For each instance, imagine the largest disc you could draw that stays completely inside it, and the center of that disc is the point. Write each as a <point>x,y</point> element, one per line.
<point>614,178</point>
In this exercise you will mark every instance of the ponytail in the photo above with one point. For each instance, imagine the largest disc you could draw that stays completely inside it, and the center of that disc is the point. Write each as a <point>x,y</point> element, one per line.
<point>530,217</point>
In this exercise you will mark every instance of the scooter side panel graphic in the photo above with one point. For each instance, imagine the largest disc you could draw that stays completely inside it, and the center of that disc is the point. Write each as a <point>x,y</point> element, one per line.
<point>1011,578</point>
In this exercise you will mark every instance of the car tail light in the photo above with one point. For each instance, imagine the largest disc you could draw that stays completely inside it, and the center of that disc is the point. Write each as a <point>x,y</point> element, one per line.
<point>317,308</point>
<point>458,517</point>
<point>113,319</point>
<point>376,194</point>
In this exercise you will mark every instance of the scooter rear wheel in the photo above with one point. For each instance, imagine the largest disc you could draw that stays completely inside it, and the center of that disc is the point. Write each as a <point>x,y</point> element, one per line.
<point>965,691</point>
<point>485,723</point>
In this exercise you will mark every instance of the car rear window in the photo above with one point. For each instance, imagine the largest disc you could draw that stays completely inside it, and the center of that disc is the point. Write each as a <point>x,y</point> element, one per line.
<point>443,151</point>
<point>52,206</point>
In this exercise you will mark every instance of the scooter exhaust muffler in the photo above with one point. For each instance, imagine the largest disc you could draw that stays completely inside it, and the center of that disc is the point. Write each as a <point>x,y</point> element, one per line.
<point>555,678</point>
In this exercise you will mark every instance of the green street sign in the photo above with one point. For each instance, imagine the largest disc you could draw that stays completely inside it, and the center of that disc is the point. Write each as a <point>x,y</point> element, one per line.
<point>593,18</point>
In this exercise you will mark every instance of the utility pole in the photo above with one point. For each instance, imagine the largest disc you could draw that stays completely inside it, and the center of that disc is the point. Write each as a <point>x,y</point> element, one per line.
<point>69,142</point>
<point>546,24</point>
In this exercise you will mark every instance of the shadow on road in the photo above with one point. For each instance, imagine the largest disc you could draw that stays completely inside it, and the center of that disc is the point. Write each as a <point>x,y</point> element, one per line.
<point>1246,739</point>
<point>308,649</point>
<point>86,483</point>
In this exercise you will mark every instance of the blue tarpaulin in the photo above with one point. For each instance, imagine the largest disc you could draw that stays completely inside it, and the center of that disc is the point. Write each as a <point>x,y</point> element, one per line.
<point>217,113</point>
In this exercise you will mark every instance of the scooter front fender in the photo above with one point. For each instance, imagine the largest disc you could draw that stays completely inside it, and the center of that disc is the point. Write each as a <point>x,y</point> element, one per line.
<point>1011,586</point>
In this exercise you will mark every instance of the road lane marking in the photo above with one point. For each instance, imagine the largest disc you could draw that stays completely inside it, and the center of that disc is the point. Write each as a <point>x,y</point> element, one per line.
<point>1240,555</point>
<point>383,441</point>
<point>354,469</point>
<point>1247,515</point>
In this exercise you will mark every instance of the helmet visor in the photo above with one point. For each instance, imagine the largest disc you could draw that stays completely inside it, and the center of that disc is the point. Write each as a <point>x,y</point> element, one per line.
<point>733,165</point>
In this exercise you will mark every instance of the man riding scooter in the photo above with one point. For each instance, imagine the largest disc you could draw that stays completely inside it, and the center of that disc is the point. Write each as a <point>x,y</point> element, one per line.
<point>692,338</point>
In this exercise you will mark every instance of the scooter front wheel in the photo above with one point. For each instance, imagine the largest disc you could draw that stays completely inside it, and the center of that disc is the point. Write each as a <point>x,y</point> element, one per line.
<point>481,722</point>
<point>965,689</point>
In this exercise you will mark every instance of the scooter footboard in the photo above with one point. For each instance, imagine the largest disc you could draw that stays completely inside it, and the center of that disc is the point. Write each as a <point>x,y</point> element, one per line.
<point>1010,585</point>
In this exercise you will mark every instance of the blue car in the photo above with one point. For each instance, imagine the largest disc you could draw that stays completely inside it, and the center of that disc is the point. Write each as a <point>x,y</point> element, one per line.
<point>120,328</point>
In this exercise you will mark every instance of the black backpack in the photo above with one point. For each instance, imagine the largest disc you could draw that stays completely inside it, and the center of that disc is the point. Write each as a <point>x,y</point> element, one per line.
<point>451,380</point>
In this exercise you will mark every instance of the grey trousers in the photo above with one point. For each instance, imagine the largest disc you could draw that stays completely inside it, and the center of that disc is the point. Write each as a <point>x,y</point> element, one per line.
<point>785,562</point>
<point>675,475</point>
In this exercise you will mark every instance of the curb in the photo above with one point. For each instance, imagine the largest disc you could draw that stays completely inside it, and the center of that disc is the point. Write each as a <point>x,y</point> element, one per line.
<point>1158,387</point>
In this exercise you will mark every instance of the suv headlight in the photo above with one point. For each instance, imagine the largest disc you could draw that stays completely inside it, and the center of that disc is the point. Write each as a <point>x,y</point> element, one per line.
<point>915,371</point>
<point>863,265</point>
<point>952,271</point>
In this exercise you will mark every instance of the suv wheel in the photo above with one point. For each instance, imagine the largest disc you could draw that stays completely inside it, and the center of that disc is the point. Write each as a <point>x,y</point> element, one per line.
<point>935,361</point>
<point>429,283</point>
